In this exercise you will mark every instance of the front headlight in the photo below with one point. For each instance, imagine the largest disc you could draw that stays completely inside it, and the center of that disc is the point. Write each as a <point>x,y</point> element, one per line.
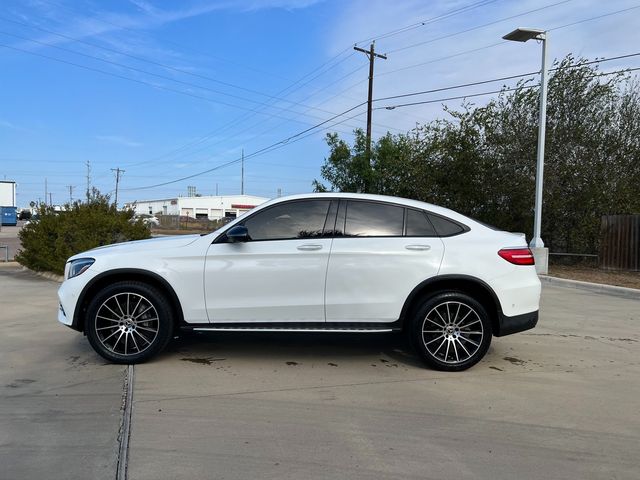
<point>79,266</point>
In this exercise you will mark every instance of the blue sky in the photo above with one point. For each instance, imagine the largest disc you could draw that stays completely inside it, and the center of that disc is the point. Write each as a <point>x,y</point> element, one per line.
<point>168,89</point>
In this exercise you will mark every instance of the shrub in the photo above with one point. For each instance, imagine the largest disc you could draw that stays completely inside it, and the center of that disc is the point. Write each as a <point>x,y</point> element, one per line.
<point>50,240</point>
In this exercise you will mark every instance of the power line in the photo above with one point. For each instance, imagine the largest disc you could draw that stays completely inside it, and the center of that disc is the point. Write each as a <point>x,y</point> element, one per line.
<point>439,59</point>
<point>102,20</point>
<point>152,62</point>
<point>456,11</point>
<point>287,140</point>
<point>164,77</point>
<point>509,77</point>
<point>593,18</point>
<point>300,135</point>
<point>391,107</point>
<point>478,27</point>
<point>144,82</point>
<point>496,44</point>
<point>428,21</point>
<point>217,131</point>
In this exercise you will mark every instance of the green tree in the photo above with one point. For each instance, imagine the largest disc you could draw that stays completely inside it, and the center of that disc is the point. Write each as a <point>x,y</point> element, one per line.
<point>481,161</point>
<point>55,236</point>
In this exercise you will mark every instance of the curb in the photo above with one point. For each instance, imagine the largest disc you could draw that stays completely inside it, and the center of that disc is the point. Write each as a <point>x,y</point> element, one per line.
<point>601,288</point>
<point>47,275</point>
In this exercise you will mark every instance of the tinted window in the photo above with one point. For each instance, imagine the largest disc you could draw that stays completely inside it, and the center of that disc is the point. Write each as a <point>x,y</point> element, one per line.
<point>303,219</point>
<point>329,225</point>
<point>445,227</point>
<point>418,225</point>
<point>365,219</point>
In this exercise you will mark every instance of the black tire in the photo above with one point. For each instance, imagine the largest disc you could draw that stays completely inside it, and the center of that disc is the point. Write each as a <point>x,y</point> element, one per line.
<point>134,315</point>
<point>443,331</point>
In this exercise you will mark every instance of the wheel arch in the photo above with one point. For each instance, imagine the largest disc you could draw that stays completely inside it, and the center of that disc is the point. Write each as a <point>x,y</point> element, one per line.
<point>472,286</point>
<point>125,274</point>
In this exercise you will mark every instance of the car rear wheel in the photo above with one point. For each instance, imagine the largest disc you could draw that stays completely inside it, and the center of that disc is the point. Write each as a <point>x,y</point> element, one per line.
<point>451,331</point>
<point>128,322</point>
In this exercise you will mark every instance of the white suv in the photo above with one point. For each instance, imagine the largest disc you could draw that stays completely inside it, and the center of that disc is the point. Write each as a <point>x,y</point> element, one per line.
<point>312,263</point>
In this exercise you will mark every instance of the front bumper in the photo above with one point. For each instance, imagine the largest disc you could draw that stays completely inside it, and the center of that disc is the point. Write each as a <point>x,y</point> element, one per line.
<point>517,323</point>
<point>68,296</point>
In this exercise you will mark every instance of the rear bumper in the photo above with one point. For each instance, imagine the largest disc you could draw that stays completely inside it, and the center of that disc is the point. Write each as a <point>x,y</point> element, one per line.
<point>517,323</point>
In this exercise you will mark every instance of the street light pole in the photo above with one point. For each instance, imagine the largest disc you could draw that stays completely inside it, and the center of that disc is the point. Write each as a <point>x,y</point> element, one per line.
<point>540,253</point>
<point>536,241</point>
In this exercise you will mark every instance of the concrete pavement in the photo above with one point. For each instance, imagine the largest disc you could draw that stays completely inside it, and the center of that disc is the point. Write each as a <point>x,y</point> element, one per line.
<point>59,402</point>
<point>560,401</point>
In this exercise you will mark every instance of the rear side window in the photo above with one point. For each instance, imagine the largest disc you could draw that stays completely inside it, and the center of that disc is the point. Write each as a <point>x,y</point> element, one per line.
<point>418,225</point>
<point>369,219</point>
<point>445,227</point>
<point>299,219</point>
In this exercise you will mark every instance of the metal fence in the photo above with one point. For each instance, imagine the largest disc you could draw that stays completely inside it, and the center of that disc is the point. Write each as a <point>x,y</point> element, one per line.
<point>620,242</point>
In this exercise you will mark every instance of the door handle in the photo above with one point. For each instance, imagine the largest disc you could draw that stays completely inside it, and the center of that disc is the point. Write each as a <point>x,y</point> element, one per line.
<point>418,247</point>
<point>309,247</point>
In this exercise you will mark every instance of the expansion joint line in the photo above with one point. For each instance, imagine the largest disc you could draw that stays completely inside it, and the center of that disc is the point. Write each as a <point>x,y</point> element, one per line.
<point>125,425</point>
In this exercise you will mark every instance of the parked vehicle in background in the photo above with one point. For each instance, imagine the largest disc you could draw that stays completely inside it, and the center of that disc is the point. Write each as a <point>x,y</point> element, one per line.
<point>311,263</point>
<point>147,219</point>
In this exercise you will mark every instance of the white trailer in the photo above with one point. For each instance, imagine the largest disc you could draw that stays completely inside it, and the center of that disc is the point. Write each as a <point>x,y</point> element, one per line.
<point>7,193</point>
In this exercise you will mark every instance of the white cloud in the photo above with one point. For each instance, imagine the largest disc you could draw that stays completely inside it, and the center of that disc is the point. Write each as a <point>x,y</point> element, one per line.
<point>362,19</point>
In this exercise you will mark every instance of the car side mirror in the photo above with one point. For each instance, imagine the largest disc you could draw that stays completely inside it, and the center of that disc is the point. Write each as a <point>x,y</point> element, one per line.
<point>239,233</point>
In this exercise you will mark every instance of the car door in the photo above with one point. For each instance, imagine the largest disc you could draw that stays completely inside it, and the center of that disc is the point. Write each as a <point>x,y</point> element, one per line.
<point>278,275</point>
<point>381,252</point>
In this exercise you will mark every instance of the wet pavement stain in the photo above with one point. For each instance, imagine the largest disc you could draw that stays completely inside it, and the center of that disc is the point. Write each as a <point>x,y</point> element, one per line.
<point>332,364</point>
<point>202,361</point>
<point>292,363</point>
<point>19,382</point>
<point>515,361</point>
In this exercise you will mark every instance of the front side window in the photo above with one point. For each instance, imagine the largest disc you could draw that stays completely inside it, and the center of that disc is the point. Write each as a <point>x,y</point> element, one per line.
<point>291,220</point>
<point>370,219</point>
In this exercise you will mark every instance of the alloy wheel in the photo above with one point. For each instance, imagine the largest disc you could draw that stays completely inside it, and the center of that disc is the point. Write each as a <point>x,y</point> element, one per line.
<point>127,324</point>
<point>452,332</point>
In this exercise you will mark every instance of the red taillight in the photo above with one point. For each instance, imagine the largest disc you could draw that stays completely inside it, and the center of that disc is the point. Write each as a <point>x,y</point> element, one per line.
<point>517,256</point>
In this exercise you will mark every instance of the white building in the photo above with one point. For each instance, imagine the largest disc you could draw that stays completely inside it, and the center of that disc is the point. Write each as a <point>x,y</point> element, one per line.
<point>7,193</point>
<point>211,207</point>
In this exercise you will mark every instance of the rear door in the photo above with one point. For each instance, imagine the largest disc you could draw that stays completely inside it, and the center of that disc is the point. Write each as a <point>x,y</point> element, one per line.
<point>380,253</point>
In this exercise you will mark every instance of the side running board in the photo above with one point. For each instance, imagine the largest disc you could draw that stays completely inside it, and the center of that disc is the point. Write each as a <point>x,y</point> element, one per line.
<point>315,327</point>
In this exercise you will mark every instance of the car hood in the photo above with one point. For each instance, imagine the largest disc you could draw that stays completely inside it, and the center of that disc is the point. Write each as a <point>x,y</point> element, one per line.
<point>158,243</point>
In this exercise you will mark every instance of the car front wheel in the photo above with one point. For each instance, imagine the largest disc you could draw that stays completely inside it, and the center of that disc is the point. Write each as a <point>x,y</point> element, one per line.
<point>128,322</point>
<point>451,331</point>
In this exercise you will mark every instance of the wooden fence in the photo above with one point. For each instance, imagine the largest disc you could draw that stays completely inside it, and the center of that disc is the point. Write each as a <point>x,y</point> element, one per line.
<point>620,242</point>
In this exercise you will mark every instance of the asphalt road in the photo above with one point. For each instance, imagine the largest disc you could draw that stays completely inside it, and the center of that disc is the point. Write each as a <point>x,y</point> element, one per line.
<point>561,401</point>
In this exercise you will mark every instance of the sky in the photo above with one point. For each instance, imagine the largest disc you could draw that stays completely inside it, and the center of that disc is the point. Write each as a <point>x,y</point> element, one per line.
<point>169,89</point>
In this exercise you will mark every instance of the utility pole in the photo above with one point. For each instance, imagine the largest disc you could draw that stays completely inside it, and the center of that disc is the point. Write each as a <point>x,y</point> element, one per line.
<point>242,175</point>
<point>216,189</point>
<point>118,173</point>
<point>50,199</point>
<point>88,164</point>
<point>45,191</point>
<point>371,53</point>
<point>70,187</point>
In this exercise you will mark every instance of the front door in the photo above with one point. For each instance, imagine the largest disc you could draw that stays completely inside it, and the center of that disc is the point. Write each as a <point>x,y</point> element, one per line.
<point>278,274</point>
